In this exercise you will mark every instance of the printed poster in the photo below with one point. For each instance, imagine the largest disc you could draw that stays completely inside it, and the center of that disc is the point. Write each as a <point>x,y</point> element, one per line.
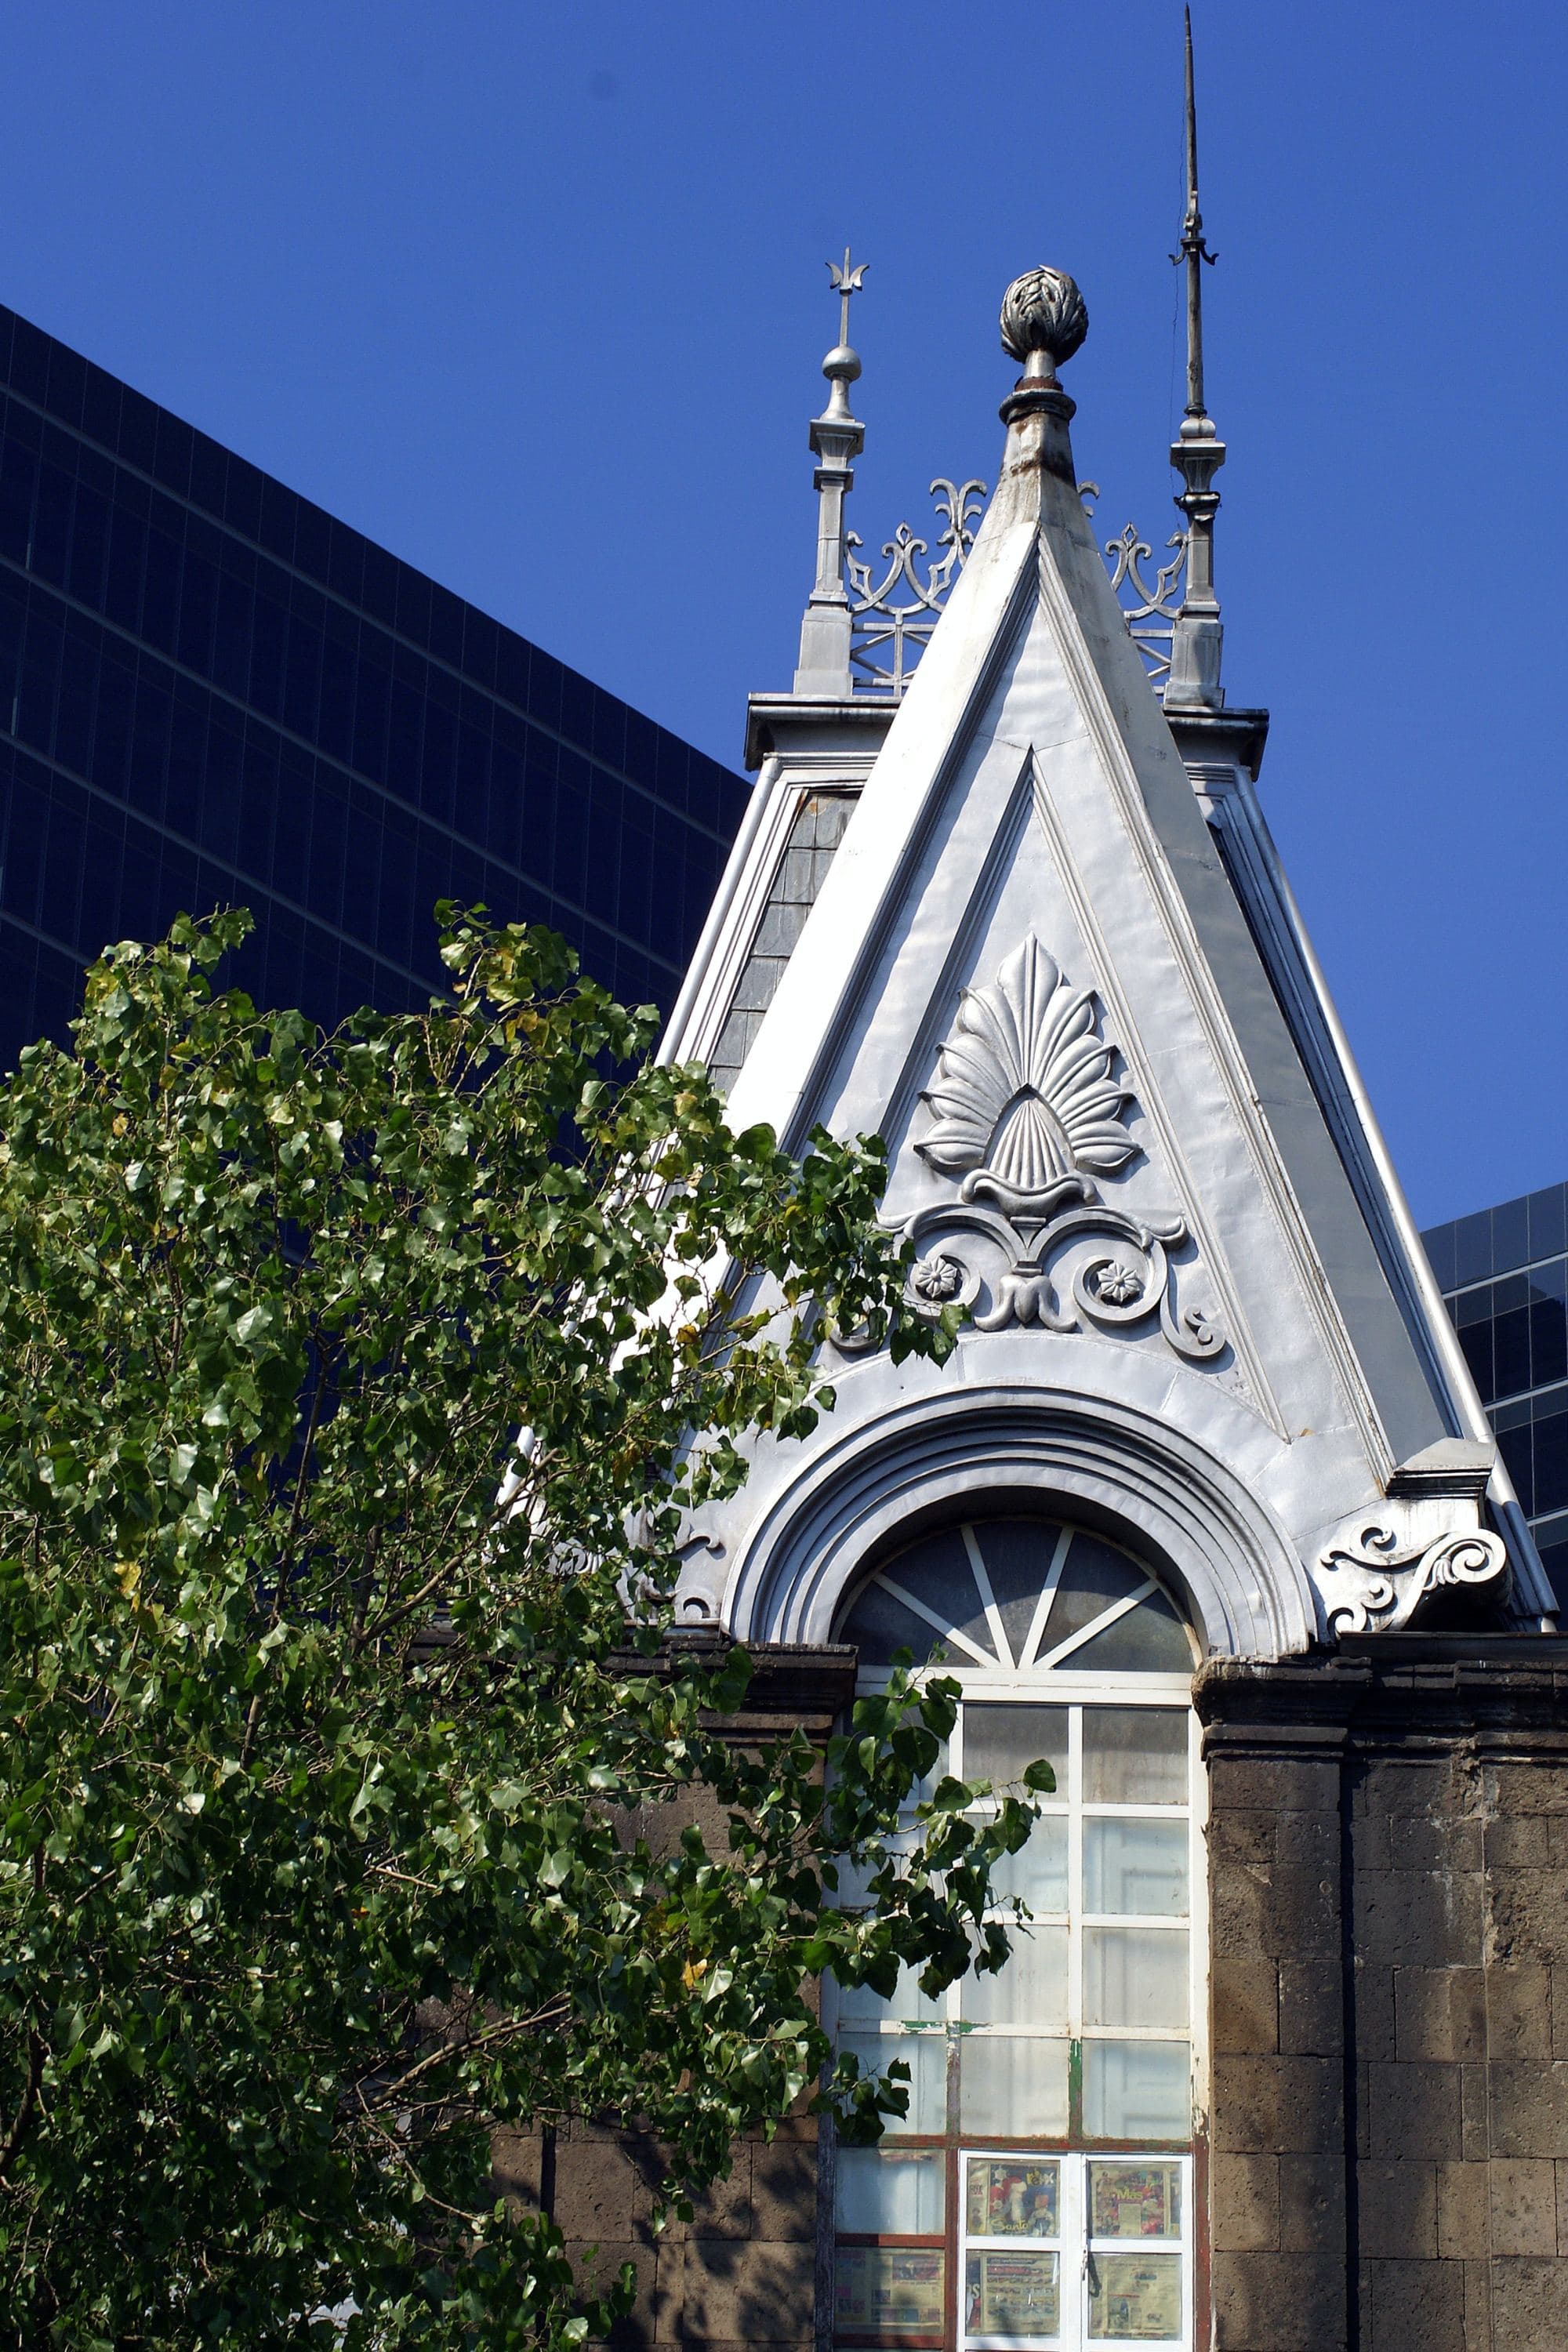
<point>1135,2201</point>
<point>1011,2199</point>
<point>891,2291</point>
<point>1012,2294</point>
<point>1134,2298</point>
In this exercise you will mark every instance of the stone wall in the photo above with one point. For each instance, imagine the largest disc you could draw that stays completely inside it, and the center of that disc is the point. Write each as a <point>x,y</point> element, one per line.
<point>743,2271</point>
<point>1388,1841</point>
<point>1387,2143</point>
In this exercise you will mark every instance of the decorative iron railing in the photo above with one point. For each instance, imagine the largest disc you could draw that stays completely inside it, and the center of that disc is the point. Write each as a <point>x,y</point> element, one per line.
<point>892,631</point>
<point>1150,613</point>
<point>892,618</point>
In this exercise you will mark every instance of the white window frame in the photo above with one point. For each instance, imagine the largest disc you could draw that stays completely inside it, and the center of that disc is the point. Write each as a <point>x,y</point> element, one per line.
<point>1075,1691</point>
<point>1074,2247</point>
<point>1033,1680</point>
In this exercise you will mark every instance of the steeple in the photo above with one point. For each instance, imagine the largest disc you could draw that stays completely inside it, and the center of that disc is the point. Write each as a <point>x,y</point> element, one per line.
<point>836,437</point>
<point>1197,454</point>
<point>1041,943</point>
<point>1043,948</point>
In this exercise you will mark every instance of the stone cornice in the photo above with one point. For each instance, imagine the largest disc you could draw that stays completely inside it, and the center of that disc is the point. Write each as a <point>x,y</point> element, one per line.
<point>806,1683</point>
<point>1502,1691</point>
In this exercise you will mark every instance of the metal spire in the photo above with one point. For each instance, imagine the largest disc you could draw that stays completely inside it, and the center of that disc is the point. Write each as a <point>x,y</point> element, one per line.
<point>1197,454</point>
<point>836,437</point>
<point>1194,247</point>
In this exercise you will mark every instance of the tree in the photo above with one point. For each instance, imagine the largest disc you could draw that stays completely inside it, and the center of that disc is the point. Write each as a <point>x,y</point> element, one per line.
<point>327,1703</point>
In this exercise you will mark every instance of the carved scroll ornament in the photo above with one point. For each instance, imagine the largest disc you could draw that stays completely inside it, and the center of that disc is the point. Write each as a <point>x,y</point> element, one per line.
<point>1025,1118</point>
<point>1376,1583</point>
<point>1009,1272</point>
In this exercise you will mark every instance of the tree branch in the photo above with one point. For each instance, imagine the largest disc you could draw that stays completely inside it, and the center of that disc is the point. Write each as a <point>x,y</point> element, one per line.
<point>493,2037</point>
<point>22,2122</point>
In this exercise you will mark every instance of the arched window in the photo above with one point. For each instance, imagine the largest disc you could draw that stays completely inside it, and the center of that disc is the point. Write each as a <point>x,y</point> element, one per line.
<point>1038,2192</point>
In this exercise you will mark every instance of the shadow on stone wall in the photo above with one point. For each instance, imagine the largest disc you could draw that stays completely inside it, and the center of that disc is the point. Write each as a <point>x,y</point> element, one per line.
<point>742,2271</point>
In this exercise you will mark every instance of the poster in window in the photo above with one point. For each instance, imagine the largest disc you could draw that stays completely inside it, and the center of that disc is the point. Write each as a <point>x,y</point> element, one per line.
<point>1134,2298</point>
<point>891,2291</point>
<point>1135,2201</point>
<point>1012,2294</point>
<point>1010,2199</point>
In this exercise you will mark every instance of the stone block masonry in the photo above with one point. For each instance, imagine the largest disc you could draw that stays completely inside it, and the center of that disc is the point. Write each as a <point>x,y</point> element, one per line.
<point>1388,1858</point>
<point>743,2271</point>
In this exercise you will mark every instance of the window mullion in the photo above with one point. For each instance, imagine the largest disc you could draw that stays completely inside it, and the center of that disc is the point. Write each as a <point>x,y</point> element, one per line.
<point>1075,1873</point>
<point>1073,2244</point>
<point>1004,2053</point>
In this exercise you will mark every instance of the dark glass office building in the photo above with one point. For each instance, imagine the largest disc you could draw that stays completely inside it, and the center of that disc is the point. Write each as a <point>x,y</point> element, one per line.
<point>212,693</point>
<point>1504,1276</point>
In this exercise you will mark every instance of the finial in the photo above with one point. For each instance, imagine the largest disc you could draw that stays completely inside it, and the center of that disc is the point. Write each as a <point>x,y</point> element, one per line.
<point>846,281</point>
<point>1197,454</point>
<point>1044,320</point>
<point>842,364</point>
<point>835,438</point>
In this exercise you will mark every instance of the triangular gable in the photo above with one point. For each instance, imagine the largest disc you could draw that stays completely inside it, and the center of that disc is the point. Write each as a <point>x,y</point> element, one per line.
<point>1027,831</point>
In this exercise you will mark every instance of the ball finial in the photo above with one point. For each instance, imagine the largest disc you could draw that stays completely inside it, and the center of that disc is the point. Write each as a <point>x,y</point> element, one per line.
<point>1044,321</point>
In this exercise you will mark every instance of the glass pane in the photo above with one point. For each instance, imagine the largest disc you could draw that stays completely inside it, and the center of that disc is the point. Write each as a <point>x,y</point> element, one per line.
<point>1135,1976</point>
<point>854,1885</point>
<point>925,2056</point>
<point>1094,1576</point>
<point>1017,1555</point>
<point>1011,2196</point>
<point>889,2293</point>
<point>1134,2298</point>
<point>1037,1872</point>
<point>1000,1742</point>
<point>1137,1866</point>
<point>884,2192</point>
<point>1134,2200</point>
<point>936,1571</point>
<point>879,1626</point>
<point>1014,2294</point>
<point>1150,1639</point>
<point>1136,2090</point>
<point>1014,2087</point>
<point>906,2003</point>
<point>1032,1990</point>
<point>1135,1755</point>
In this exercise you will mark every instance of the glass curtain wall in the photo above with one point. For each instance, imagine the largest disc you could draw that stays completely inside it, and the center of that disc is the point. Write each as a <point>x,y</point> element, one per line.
<point>1504,1278</point>
<point>212,693</point>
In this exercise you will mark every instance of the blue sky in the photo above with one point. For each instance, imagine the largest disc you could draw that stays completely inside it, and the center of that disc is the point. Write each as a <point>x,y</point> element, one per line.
<point>535,294</point>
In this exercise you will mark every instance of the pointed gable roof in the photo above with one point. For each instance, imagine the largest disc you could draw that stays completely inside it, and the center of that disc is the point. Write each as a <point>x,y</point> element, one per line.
<point>1071,992</point>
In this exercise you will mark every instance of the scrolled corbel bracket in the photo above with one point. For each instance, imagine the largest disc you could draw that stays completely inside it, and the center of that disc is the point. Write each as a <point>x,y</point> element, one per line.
<point>1379,1569</point>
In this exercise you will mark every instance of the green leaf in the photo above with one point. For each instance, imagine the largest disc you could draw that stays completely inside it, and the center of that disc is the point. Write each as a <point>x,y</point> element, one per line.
<point>347,1815</point>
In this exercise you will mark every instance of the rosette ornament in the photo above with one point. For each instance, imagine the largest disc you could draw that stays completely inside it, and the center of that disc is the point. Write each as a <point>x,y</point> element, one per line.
<point>1044,321</point>
<point>1024,1105</point>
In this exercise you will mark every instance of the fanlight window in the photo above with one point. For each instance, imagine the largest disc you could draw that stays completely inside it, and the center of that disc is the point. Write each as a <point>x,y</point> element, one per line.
<point>1038,2192</point>
<point>1022,1597</point>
